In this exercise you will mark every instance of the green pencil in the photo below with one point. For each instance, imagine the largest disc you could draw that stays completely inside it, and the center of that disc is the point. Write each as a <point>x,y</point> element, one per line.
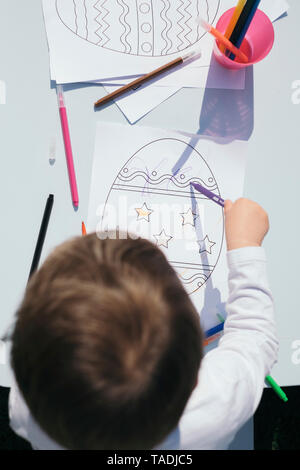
<point>276,388</point>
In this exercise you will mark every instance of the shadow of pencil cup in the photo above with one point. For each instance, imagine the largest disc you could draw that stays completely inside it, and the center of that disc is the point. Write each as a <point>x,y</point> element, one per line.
<point>257,44</point>
<point>227,115</point>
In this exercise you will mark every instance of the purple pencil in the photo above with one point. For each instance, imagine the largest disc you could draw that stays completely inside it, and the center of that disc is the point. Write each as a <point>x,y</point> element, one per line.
<point>209,194</point>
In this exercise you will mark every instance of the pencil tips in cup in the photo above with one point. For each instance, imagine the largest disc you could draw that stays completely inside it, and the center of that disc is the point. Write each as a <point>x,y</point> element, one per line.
<point>223,42</point>
<point>255,43</point>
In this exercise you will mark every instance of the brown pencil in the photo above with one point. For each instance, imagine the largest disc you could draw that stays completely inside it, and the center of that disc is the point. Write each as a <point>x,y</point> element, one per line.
<point>143,79</point>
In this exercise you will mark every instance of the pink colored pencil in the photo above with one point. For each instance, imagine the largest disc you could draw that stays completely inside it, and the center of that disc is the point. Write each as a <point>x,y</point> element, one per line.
<point>213,338</point>
<point>68,146</point>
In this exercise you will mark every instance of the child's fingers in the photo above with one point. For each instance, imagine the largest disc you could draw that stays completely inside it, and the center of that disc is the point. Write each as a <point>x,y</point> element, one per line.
<point>227,205</point>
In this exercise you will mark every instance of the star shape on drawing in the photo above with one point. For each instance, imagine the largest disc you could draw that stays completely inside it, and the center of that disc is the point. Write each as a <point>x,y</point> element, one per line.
<point>205,245</point>
<point>189,217</point>
<point>143,213</point>
<point>163,239</point>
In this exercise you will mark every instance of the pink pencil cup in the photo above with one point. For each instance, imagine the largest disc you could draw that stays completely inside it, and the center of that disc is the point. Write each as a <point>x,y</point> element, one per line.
<point>257,43</point>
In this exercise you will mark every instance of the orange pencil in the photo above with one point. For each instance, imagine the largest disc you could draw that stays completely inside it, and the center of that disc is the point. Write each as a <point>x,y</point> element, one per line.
<point>223,40</point>
<point>211,339</point>
<point>83,229</point>
<point>236,14</point>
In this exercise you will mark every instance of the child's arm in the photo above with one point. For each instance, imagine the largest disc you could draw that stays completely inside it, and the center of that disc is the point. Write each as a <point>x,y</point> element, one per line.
<point>231,377</point>
<point>250,303</point>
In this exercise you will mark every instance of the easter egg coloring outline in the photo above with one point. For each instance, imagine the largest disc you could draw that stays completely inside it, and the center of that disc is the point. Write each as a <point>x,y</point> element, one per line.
<point>136,31</point>
<point>192,275</point>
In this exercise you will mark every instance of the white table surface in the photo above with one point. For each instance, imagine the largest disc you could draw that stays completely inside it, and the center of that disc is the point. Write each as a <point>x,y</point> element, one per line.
<point>29,124</point>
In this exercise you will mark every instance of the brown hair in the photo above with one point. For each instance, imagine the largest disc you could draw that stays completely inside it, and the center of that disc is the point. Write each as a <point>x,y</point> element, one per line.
<point>107,345</point>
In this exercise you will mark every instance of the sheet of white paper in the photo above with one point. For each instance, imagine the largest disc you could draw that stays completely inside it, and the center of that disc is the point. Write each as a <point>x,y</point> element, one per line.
<point>108,39</point>
<point>141,183</point>
<point>197,77</point>
<point>87,43</point>
<point>135,105</point>
<point>103,39</point>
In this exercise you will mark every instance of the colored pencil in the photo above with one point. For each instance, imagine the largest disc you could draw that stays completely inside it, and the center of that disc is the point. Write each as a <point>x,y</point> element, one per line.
<point>276,388</point>
<point>208,194</point>
<point>212,334</point>
<point>83,229</point>
<point>243,24</point>
<point>211,339</point>
<point>213,331</point>
<point>145,78</point>
<point>223,40</point>
<point>220,318</point>
<point>42,235</point>
<point>233,21</point>
<point>68,146</point>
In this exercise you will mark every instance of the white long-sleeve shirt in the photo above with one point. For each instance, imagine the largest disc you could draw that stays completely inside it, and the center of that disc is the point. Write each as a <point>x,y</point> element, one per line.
<point>231,376</point>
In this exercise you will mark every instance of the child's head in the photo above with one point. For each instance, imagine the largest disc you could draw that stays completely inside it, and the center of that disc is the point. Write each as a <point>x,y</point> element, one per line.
<point>107,345</point>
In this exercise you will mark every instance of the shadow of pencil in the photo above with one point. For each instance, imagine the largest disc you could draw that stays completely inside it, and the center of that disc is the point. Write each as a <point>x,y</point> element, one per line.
<point>281,16</point>
<point>185,155</point>
<point>213,304</point>
<point>73,86</point>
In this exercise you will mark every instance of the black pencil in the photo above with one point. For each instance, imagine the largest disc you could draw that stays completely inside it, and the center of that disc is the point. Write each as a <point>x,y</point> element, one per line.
<point>240,24</point>
<point>42,235</point>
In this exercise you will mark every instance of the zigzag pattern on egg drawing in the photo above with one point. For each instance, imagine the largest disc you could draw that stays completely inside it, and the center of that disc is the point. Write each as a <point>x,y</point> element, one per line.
<point>138,27</point>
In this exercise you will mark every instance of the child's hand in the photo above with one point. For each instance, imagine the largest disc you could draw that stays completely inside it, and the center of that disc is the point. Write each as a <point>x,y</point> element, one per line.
<point>246,223</point>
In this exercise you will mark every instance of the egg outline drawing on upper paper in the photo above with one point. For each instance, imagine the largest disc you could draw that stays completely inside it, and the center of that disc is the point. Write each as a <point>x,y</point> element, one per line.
<point>159,204</point>
<point>152,28</point>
